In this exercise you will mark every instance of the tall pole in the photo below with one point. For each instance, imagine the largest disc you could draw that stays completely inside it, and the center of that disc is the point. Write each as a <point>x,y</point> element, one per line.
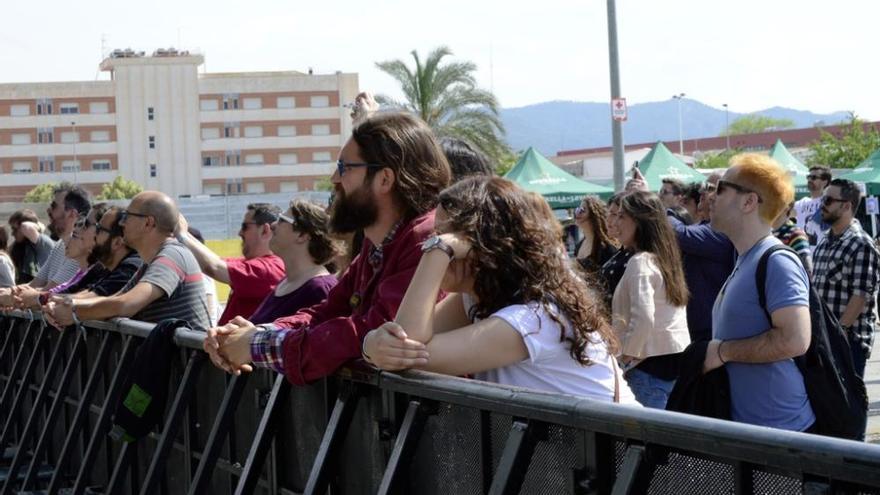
<point>616,126</point>
<point>75,140</point>
<point>727,126</point>
<point>680,134</point>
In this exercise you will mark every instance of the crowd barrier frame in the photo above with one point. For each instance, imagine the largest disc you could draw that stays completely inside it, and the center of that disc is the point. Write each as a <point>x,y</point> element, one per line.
<point>364,431</point>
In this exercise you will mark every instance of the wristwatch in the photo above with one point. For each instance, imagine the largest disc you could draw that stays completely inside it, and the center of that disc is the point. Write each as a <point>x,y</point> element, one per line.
<point>436,242</point>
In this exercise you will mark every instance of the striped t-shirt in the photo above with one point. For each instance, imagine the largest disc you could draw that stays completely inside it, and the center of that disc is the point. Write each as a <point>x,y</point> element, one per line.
<point>57,269</point>
<point>175,271</point>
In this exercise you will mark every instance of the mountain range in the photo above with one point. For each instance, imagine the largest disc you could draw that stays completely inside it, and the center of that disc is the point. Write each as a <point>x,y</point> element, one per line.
<point>559,125</point>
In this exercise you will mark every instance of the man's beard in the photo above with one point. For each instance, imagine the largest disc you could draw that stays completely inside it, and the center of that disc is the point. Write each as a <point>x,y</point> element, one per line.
<point>101,253</point>
<point>353,212</point>
<point>829,217</point>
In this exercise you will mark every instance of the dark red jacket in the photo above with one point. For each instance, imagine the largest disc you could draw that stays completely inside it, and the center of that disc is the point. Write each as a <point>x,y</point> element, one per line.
<point>327,335</point>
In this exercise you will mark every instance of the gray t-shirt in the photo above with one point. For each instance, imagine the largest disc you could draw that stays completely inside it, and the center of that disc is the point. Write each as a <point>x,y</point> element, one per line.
<point>7,271</point>
<point>57,269</point>
<point>176,272</point>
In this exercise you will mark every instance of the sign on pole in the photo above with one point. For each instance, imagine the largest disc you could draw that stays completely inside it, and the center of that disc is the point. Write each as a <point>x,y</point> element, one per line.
<point>871,206</point>
<point>618,109</point>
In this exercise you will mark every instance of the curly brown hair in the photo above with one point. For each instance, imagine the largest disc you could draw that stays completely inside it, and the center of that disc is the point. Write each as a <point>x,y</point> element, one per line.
<point>518,258</point>
<point>313,220</point>
<point>654,234</point>
<point>597,215</point>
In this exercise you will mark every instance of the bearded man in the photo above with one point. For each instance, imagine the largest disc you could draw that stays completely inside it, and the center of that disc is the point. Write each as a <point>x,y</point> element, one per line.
<point>387,181</point>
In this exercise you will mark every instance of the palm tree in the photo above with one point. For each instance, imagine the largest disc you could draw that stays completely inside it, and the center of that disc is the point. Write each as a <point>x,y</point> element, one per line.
<point>447,98</point>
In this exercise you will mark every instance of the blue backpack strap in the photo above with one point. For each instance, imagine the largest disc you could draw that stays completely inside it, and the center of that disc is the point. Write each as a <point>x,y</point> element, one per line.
<point>761,273</point>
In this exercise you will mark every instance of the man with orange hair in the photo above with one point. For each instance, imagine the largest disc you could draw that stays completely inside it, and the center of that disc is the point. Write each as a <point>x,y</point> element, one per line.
<point>766,386</point>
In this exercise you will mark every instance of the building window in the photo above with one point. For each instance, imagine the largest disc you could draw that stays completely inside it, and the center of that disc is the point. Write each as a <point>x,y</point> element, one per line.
<point>20,110</point>
<point>210,161</point>
<point>233,158</point>
<point>233,186</point>
<point>100,164</point>
<point>24,138</point>
<point>22,167</point>
<point>287,159</point>
<point>100,136</point>
<point>152,170</point>
<point>44,107</point>
<point>99,107</point>
<point>212,189</point>
<point>209,105</point>
<point>150,114</point>
<point>253,131</point>
<point>70,137</point>
<point>321,130</point>
<point>320,101</point>
<point>47,164</point>
<point>69,108</point>
<point>252,103</point>
<point>230,102</point>
<point>210,132</point>
<point>286,102</point>
<point>286,130</point>
<point>290,186</point>
<point>253,159</point>
<point>45,135</point>
<point>231,130</point>
<point>255,187</point>
<point>70,166</point>
<point>152,141</point>
<point>321,156</point>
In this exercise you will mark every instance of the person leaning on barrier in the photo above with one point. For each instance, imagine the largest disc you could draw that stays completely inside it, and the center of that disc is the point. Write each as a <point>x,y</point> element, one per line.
<point>69,204</point>
<point>847,269</point>
<point>387,180</point>
<point>30,248</point>
<point>766,386</point>
<point>516,313</point>
<point>250,277</point>
<point>7,268</point>
<point>168,284</point>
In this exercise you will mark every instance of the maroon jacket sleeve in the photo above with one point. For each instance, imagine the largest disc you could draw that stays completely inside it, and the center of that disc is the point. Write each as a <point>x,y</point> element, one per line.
<point>314,351</point>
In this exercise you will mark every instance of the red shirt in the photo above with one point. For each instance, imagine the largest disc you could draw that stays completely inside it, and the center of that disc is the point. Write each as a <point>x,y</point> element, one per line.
<point>250,281</point>
<point>327,335</point>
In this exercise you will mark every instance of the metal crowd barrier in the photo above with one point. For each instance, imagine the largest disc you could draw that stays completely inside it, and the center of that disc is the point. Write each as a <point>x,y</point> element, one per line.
<point>367,432</point>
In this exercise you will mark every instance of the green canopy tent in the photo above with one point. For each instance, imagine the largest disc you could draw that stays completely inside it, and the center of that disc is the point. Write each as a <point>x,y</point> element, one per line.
<point>796,169</point>
<point>535,173</point>
<point>867,172</point>
<point>661,164</point>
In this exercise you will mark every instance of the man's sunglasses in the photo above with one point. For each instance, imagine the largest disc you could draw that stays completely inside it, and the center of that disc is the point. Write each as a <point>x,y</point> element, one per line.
<point>343,166</point>
<point>828,200</point>
<point>815,177</point>
<point>124,214</point>
<point>286,219</point>
<point>723,184</point>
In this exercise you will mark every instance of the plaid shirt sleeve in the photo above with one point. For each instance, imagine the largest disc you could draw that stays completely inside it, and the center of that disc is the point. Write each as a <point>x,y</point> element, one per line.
<point>864,271</point>
<point>266,348</point>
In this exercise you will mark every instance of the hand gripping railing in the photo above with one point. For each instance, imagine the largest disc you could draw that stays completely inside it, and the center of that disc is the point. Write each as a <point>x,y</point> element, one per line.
<point>367,432</point>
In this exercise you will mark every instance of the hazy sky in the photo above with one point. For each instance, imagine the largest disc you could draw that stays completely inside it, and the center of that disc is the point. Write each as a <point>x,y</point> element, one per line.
<point>818,56</point>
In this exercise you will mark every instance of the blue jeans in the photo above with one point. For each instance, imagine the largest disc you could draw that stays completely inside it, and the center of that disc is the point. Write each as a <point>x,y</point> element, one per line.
<point>649,390</point>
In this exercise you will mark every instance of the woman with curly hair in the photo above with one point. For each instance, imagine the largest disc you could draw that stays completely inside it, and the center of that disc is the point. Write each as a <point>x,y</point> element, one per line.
<point>597,245</point>
<point>516,313</point>
<point>648,308</point>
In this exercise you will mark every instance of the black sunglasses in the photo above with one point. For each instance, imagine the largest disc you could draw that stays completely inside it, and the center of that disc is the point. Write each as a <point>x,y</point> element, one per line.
<point>815,177</point>
<point>828,200</point>
<point>342,166</point>
<point>124,214</point>
<point>723,184</point>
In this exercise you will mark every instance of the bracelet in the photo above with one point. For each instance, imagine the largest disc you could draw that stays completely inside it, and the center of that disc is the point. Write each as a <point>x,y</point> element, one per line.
<point>74,316</point>
<point>719,353</point>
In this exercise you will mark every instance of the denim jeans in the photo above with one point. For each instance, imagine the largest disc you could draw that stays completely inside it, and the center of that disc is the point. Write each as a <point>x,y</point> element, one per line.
<point>649,390</point>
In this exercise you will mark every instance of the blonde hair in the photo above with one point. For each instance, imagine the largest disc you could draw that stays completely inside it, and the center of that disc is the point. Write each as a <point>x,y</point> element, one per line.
<point>766,177</point>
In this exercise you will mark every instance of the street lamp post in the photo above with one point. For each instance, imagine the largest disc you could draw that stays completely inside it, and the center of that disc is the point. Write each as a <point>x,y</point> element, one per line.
<point>727,127</point>
<point>616,126</point>
<point>75,140</point>
<point>680,134</point>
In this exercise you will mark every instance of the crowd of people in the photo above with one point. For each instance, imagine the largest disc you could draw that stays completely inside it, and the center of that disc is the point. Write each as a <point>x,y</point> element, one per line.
<point>426,260</point>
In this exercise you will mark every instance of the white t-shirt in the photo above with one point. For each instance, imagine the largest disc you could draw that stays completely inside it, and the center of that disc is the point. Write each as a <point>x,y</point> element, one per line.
<point>549,367</point>
<point>810,219</point>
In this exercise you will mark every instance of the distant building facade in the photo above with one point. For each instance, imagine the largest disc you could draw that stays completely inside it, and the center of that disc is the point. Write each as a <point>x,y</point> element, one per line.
<point>162,124</point>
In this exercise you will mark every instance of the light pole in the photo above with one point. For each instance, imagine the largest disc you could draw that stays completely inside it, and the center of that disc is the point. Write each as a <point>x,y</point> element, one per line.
<point>680,135</point>
<point>75,140</point>
<point>616,126</point>
<point>727,126</point>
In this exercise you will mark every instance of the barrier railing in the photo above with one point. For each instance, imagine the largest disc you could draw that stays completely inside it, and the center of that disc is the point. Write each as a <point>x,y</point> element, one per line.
<point>367,432</point>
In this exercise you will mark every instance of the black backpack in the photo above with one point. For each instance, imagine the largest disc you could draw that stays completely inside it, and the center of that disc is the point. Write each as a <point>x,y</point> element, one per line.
<point>837,394</point>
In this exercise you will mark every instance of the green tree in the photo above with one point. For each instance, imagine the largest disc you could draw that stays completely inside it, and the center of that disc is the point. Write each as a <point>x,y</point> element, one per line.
<point>849,149</point>
<point>323,184</point>
<point>120,189</point>
<point>446,96</point>
<point>42,193</point>
<point>754,124</point>
<point>715,159</point>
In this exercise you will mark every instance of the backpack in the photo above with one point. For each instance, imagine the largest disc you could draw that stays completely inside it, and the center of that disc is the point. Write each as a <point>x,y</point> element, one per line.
<point>837,394</point>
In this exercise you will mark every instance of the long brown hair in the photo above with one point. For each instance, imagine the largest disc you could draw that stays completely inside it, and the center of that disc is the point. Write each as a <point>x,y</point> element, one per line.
<point>519,258</point>
<point>655,235</point>
<point>597,214</point>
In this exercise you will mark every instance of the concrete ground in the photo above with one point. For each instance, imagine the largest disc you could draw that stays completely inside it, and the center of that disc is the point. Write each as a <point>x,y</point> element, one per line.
<point>872,381</point>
